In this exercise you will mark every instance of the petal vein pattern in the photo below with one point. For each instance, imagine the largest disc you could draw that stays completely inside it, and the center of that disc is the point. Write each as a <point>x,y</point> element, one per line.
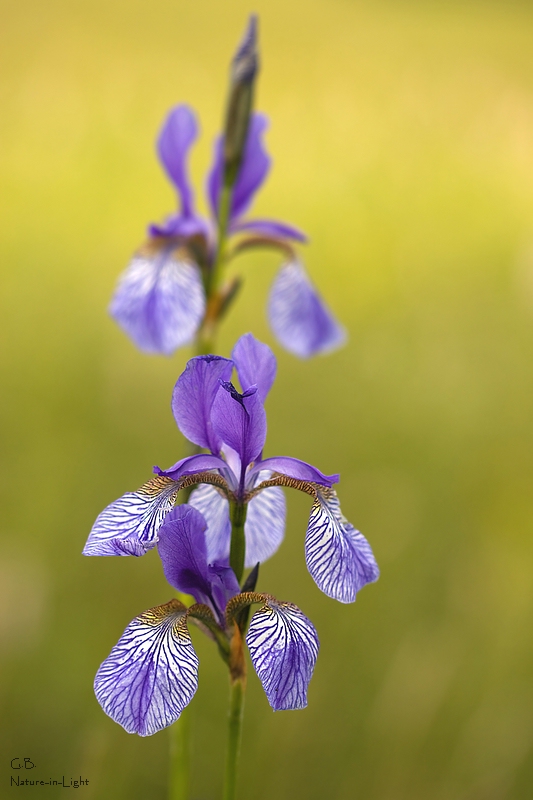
<point>338,557</point>
<point>159,301</point>
<point>152,672</point>
<point>265,525</point>
<point>283,646</point>
<point>129,526</point>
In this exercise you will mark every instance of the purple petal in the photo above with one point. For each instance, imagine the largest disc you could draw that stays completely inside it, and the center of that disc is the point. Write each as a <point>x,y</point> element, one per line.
<point>300,319</point>
<point>152,672</point>
<point>283,646</point>
<point>294,468</point>
<point>178,133</point>
<point>194,395</point>
<point>159,301</point>
<point>253,170</point>
<point>338,557</point>
<point>264,527</point>
<point>240,421</point>
<point>178,225</point>
<point>255,363</point>
<point>215,509</point>
<point>192,465</point>
<point>130,525</point>
<point>269,228</point>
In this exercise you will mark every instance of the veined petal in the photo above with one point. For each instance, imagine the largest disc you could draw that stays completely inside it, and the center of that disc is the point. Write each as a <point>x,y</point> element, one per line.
<point>283,646</point>
<point>270,228</point>
<point>152,672</point>
<point>264,528</point>
<point>159,300</point>
<point>294,468</point>
<point>253,170</point>
<point>215,510</point>
<point>239,420</point>
<point>338,557</point>
<point>255,363</point>
<point>194,395</point>
<point>299,317</point>
<point>130,525</point>
<point>178,133</point>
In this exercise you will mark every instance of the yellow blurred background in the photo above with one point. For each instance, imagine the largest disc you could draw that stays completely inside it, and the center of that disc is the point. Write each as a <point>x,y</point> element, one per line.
<point>402,139</point>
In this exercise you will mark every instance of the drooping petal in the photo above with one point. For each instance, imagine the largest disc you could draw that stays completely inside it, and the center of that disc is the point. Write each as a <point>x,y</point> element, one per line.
<point>265,525</point>
<point>270,228</point>
<point>183,551</point>
<point>178,133</point>
<point>159,300</point>
<point>239,420</point>
<point>152,672</point>
<point>194,395</point>
<point>283,646</point>
<point>299,317</point>
<point>215,509</point>
<point>253,170</point>
<point>192,465</point>
<point>338,557</point>
<point>255,363</point>
<point>294,468</point>
<point>130,525</point>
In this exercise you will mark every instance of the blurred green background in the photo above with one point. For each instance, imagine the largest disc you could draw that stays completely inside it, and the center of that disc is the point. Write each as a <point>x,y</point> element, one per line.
<point>402,137</point>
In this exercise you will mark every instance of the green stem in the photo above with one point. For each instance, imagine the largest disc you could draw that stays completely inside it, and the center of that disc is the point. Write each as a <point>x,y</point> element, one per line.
<point>178,783</point>
<point>238,543</point>
<point>236,713</point>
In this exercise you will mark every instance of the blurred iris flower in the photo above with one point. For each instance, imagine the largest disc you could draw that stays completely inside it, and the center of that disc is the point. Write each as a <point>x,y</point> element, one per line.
<point>160,300</point>
<point>152,672</point>
<point>237,480</point>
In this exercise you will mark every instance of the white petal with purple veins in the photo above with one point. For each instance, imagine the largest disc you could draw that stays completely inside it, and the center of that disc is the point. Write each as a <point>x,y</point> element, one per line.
<point>152,672</point>
<point>129,526</point>
<point>159,301</point>
<point>298,315</point>
<point>265,525</point>
<point>338,557</point>
<point>215,509</point>
<point>283,646</point>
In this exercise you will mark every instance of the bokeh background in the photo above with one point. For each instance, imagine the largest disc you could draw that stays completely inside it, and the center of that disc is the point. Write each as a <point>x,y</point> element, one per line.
<point>402,138</point>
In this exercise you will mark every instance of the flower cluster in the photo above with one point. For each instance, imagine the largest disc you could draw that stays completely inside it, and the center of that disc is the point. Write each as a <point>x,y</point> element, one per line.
<point>238,489</point>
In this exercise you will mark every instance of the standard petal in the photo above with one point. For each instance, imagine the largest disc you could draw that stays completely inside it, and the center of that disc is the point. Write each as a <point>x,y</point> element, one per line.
<point>294,468</point>
<point>152,672</point>
<point>129,526</point>
<point>253,170</point>
<point>338,557</point>
<point>255,363</point>
<point>194,395</point>
<point>265,525</point>
<point>270,228</point>
<point>239,420</point>
<point>159,300</point>
<point>283,646</point>
<point>300,319</point>
<point>178,133</point>
<point>215,509</point>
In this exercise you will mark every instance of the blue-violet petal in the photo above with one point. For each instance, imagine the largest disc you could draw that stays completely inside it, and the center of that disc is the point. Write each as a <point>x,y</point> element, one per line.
<point>255,363</point>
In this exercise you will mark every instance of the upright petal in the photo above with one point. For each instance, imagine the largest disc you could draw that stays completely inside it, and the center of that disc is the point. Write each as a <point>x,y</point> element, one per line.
<point>338,557</point>
<point>178,133</point>
<point>129,526</point>
<point>269,228</point>
<point>283,646</point>
<point>239,420</point>
<point>299,317</point>
<point>159,300</point>
<point>152,672</point>
<point>255,363</point>
<point>194,395</point>
<point>253,170</point>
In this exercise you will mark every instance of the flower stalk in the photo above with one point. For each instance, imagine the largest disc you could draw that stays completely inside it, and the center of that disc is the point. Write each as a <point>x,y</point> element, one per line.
<point>237,666</point>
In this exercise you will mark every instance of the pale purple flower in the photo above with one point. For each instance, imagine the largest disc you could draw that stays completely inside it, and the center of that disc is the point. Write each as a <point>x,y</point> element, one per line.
<point>231,425</point>
<point>152,672</point>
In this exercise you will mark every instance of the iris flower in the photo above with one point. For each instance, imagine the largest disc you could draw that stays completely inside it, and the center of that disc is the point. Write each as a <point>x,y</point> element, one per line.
<point>231,424</point>
<point>152,672</point>
<point>160,300</point>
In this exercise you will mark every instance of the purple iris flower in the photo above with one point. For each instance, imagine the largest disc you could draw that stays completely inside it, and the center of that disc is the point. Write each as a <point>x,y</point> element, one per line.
<point>231,425</point>
<point>152,672</point>
<point>160,299</point>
